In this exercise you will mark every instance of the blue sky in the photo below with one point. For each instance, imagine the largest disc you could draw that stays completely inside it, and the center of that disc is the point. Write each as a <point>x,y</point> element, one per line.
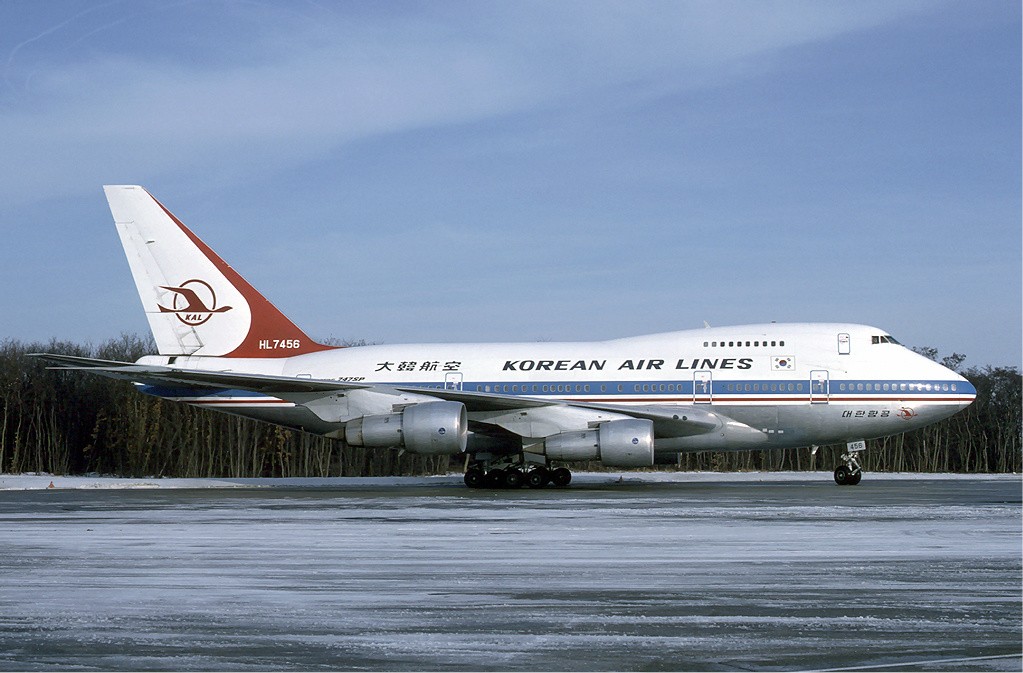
<point>467,171</point>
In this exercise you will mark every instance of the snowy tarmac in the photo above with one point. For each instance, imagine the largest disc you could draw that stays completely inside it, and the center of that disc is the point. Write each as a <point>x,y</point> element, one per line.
<point>653,572</point>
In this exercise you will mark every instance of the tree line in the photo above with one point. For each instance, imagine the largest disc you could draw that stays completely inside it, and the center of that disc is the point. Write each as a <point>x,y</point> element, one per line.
<point>75,423</point>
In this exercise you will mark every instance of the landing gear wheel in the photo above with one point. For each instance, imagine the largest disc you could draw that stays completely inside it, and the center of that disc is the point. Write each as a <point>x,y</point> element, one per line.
<point>513,478</point>
<point>538,477</point>
<point>561,477</point>
<point>475,477</point>
<point>854,478</point>
<point>842,475</point>
<point>495,478</point>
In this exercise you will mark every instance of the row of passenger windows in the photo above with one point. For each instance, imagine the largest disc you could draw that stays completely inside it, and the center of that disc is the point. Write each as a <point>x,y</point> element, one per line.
<point>896,387</point>
<point>544,388</point>
<point>733,344</point>
<point>766,387</point>
<point>731,387</point>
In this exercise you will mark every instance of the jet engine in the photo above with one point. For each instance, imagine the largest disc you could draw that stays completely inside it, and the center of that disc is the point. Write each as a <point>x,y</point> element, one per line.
<point>430,428</point>
<point>625,443</point>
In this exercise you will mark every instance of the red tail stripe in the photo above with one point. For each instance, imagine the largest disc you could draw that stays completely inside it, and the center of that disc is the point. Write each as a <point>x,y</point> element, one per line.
<point>268,323</point>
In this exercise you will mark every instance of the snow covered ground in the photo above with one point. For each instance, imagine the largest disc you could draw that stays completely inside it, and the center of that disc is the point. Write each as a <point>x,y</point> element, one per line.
<point>652,571</point>
<point>37,481</point>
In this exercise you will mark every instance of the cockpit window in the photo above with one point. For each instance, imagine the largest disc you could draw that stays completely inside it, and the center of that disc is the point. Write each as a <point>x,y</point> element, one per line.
<point>884,339</point>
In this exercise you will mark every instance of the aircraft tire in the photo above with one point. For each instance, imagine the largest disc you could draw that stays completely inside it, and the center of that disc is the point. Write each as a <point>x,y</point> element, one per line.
<point>561,477</point>
<point>513,478</point>
<point>475,477</point>
<point>843,475</point>
<point>495,478</point>
<point>854,478</point>
<point>538,477</point>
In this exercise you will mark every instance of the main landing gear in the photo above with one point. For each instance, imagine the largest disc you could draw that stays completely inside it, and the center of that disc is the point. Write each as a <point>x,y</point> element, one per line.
<point>849,474</point>
<point>514,476</point>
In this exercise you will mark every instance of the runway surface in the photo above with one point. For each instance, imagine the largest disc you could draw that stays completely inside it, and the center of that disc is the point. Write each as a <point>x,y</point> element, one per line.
<point>680,572</point>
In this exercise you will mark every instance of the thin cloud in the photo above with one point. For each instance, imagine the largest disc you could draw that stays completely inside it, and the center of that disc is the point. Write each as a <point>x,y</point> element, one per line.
<point>324,83</point>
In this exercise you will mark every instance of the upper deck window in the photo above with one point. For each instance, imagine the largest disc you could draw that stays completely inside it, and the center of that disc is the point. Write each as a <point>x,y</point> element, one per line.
<point>741,343</point>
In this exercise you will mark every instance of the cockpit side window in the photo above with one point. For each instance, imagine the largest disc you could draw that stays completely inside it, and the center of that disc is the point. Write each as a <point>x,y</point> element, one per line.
<point>884,339</point>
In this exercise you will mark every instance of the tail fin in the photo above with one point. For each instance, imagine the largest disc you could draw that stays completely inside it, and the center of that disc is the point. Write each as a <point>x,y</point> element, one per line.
<point>196,304</point>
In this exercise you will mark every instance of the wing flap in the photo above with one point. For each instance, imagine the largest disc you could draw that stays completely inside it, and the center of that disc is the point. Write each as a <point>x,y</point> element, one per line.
<point>482,401</point>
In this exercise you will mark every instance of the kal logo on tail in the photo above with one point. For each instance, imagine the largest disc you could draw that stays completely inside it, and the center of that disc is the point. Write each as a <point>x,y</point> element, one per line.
<point>195,302</point>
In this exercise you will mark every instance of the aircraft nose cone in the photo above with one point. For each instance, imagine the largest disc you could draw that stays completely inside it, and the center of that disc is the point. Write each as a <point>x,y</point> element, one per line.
<point>965,388</point>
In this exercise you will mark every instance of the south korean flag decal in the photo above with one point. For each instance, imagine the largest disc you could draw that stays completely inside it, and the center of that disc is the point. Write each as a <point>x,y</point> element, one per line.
<point>783,363</point>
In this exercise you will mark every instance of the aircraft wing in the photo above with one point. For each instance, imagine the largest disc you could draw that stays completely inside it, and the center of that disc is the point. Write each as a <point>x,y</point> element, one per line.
<point>271,385</point>
<point>669,421</point>
<point>158,375</point>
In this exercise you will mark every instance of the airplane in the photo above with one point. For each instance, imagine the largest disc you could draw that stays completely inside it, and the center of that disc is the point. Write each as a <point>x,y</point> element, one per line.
<point>516,412</point>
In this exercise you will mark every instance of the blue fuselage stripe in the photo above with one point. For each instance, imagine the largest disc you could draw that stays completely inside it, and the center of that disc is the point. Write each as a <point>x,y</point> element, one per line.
<point>749,389</point>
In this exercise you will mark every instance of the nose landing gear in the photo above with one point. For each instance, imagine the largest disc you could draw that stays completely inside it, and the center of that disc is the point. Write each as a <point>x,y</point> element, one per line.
<point>850,473</point>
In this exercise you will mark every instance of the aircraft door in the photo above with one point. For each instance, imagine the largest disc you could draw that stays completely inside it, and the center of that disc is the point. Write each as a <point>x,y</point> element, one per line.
<point>820,389</point>
<point>703,387</point>
<point>453,381</point>
<point>843,344</point>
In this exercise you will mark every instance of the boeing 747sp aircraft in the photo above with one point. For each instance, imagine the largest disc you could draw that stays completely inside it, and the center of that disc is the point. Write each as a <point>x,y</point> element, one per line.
<point>516,411</point>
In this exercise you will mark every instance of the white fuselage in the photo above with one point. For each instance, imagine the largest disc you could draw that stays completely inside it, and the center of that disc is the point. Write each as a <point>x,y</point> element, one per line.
<point>797,383</point>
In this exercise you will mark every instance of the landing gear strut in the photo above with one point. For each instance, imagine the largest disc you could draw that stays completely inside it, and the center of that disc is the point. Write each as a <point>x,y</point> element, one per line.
<point>850,473</point>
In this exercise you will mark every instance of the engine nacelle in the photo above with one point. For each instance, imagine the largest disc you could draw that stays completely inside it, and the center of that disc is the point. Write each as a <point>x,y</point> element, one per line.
<point>430,428</point>
<point>626,443</point>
